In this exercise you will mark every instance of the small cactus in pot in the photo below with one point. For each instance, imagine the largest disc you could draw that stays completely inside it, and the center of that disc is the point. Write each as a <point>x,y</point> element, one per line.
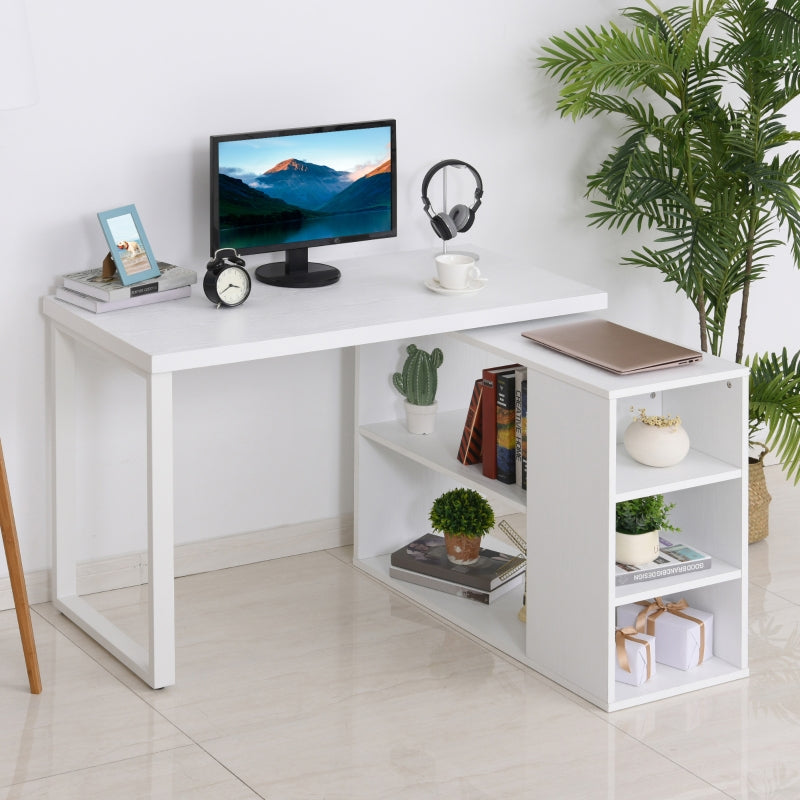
<point>418,383</point>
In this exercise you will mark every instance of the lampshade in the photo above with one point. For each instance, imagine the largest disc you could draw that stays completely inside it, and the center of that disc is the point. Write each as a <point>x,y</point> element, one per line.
<point>17,78</point>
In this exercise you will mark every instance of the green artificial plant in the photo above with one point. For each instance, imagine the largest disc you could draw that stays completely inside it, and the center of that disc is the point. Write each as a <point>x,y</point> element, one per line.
<point>462,511</point>
<point>705,159</point>
<point>418,381</point>
<point>644,514</point>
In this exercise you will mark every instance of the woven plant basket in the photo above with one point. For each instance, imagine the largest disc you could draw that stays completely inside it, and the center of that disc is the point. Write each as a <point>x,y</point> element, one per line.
<point>758,499</point>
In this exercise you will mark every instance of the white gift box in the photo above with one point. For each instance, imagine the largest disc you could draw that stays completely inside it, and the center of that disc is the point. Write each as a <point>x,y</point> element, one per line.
<point>640,649</point>
<point>685,635</point>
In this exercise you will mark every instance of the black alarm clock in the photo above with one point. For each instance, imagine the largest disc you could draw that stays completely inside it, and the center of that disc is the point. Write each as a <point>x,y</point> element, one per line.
<point>226,282</point>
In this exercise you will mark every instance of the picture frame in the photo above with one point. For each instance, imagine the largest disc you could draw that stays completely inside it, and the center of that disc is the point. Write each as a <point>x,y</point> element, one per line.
<point>128,244</point>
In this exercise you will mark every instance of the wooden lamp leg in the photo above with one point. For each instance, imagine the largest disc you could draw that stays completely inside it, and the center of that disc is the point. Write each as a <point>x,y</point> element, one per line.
<point>18,590</point>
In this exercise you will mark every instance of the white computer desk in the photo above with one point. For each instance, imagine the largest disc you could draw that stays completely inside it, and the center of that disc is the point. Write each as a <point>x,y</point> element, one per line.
<point>379,298</point>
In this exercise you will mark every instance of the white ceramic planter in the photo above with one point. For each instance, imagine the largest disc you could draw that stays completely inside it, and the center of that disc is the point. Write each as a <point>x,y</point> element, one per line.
<point>637,549</point>
<point>420,419</point>
<point>656,446</point>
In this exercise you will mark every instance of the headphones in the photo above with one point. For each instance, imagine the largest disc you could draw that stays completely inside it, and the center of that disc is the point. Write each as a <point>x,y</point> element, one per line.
<point>224,257</point>
<point>460,218</point>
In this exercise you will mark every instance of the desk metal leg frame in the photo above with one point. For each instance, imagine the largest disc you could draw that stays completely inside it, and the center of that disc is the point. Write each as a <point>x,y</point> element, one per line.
<point>154,662</point>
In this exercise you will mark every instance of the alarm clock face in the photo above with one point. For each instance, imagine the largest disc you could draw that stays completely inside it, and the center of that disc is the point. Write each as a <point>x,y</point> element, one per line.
<point>230,287</point>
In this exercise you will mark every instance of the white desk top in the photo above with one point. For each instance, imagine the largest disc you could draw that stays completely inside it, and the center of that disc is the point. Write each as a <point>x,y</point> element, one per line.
<point>378,298</point>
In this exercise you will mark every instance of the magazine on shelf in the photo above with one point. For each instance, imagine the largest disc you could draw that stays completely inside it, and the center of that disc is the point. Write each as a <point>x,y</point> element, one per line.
<point>428,556</point>
<point>672,559</point>
<point>468,592</point>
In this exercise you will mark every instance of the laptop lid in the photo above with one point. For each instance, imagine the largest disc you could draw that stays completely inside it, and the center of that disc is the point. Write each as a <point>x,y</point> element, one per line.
<point>612,347</point>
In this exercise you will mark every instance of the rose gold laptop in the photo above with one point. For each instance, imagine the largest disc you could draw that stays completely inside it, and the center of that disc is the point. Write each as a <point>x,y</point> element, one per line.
<point>612,347</point>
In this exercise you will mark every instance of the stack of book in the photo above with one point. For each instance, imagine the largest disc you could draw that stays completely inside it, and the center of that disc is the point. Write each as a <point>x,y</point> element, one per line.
<point>672,559</point>
<point>89,290</point>
<point>424,562</point>
<point>496,429</point>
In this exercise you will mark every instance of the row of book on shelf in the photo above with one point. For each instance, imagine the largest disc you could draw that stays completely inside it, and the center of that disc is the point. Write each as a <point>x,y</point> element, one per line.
<point>672,560</point>
<point>496,428</point>
<point>90,290</point>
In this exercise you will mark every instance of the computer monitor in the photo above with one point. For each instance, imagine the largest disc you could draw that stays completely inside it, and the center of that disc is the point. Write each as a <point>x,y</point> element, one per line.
<point>297,188</point>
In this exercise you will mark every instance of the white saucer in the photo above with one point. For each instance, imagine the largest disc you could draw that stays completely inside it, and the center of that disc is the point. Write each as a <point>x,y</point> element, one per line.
<point>472,287</point>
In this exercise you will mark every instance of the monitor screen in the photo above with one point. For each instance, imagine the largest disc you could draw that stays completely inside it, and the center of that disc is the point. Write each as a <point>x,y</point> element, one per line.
<point>299,188</point>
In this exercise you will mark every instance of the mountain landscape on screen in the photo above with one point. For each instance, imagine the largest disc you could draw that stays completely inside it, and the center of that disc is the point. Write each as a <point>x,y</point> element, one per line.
<point>301,184</point>
<point>297,196</point>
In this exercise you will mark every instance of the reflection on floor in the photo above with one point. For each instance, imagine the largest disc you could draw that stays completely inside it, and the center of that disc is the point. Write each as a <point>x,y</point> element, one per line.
<point>303,678</point>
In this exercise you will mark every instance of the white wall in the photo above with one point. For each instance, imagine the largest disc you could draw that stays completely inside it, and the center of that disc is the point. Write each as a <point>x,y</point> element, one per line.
<point>129,94</point>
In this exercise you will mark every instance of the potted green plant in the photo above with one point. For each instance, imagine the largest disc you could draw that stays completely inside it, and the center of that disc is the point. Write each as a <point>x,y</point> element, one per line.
<point>464,517</point>
<point>704,159</point>
<point>658,440</point>
<point>418,383</point>
<point>774,407</point>
<point>639,523</point>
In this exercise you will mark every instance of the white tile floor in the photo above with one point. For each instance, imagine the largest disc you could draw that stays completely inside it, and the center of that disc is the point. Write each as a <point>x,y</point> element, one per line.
<point>302,678</point>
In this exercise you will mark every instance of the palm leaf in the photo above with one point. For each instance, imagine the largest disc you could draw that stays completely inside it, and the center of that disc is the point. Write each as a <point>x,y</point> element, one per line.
<point>775,405</point>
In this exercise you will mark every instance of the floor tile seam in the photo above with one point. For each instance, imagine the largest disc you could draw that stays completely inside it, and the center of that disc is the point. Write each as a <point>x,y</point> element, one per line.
<point>191,740</point>
<point>99,765</point>
<point>228,769</point>
<point>773,593</point>
<point>669,759</point>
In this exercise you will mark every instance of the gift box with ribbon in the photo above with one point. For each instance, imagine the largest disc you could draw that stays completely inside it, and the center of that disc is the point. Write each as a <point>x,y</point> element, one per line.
<point>685,635</point>
<point>635,656</point>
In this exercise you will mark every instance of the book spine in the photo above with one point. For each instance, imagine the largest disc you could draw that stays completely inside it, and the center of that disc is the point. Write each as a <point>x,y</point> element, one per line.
<point>489,426</point>
<point>489,419</point>
<point>478,595</point>
<point>666,571</point>
<point>469,450</point>
<point>521,426</point>
<point>505,438</point>
<point>440,585</point>
<point>102,306</point>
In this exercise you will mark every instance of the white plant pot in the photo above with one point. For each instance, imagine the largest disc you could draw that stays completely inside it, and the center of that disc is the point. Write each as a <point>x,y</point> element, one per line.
<point>637,548</point>
<point>656,446</point>
<point>420,419</point>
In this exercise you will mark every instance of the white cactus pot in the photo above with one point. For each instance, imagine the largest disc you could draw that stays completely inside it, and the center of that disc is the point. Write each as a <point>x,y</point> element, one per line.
<point>420,419</point>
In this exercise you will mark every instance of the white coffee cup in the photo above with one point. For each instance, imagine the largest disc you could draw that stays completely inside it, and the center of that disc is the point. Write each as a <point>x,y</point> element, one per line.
<point>455,270</point>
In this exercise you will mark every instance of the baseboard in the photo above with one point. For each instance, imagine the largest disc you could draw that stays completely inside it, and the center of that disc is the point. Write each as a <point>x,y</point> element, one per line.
<point>37,585</point>
<point>221,553</point>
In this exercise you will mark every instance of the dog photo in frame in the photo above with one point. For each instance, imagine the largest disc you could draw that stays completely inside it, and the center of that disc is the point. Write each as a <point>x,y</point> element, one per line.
<point>128,244</point>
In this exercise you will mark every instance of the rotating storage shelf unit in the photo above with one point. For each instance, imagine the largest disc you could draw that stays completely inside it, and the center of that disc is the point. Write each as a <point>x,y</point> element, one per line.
<point>577,472</point>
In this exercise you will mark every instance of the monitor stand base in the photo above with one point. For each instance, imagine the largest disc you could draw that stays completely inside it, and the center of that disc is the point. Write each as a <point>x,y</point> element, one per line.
<point>297,272</point>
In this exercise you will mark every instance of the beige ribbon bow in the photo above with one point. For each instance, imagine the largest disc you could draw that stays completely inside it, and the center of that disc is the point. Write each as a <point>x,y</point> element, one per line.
<point>629,634</point>
<point>646,619</point>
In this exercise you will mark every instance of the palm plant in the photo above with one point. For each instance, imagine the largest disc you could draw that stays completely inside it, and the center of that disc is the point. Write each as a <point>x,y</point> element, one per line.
<point>703,161</point>
<point>775,406</point>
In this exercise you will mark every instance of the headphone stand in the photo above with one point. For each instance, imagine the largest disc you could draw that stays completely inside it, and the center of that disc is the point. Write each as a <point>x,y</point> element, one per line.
<point>444,202</point>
